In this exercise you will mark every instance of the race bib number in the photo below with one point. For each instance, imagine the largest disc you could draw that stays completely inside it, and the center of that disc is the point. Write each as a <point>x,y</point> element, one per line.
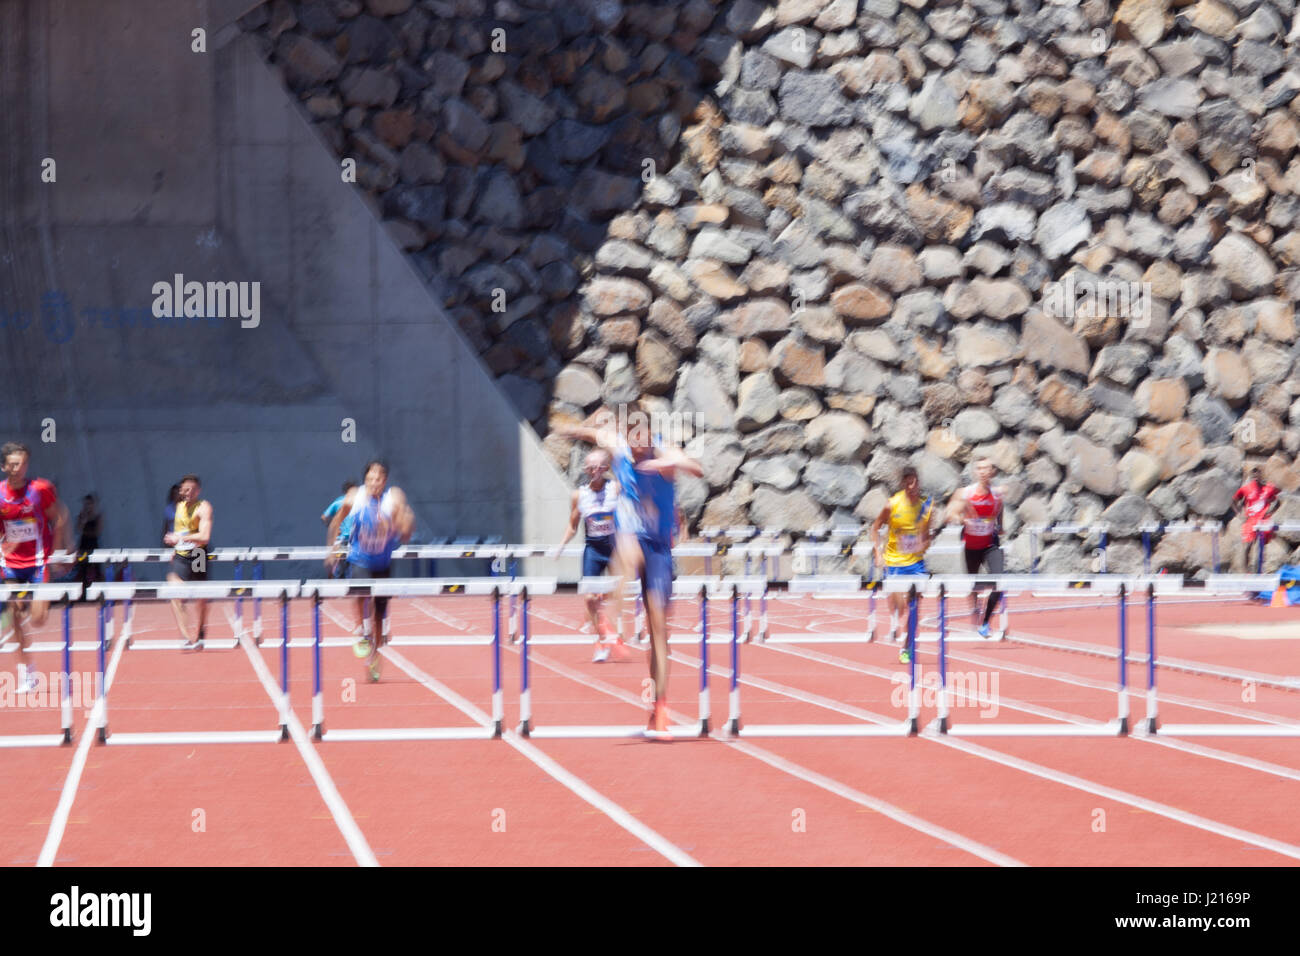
<point>979,526</point>
<point>23,529</point>
<point>1257,508</point>
<point>909,543</point>
<point>600,525</point>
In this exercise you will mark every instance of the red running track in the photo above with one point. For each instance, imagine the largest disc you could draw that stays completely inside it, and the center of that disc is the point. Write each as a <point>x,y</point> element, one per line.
<point>781,801</point>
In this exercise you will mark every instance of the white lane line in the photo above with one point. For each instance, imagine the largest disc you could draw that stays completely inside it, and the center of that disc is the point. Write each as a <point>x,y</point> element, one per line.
<point>343,818</point>
<point>803,773</point>
<point>70,784</point>
<point>1241,760</point>
<point>1121,796</point>
<point>874,803</point>
<point>620,816</point>
<point>1013,704</point>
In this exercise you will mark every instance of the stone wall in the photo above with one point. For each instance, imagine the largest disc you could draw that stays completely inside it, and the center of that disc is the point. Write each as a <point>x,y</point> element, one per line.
<point>849,234</point>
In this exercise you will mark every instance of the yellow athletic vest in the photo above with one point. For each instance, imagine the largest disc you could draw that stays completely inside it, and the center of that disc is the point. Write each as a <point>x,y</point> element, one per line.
<point>905,544</point>
<point>187,522</point>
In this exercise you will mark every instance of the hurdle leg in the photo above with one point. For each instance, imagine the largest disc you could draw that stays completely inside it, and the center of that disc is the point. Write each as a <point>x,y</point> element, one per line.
<point>284,666</point>
<point>317,700</point>
<point>1214,549</point>
<point>257,606</point>
<point>101,702</point>
<point>1152,720</point>
<point>498,704</point>
<point>67,671</point>
<point>1003,618</point>
<point>914,694</point>
<point>1123,662</point>
<point>1146,552</point>
<point>871,600</point>
<point>762,613</point>
<point>704,659</point>
<point>943,666</point>
<point>525,700</point>
<point>733,722</point>
<point>239,601</point>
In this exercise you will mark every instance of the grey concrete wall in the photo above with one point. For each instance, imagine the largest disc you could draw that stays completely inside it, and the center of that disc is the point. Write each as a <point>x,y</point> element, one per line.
<point>171,162</point>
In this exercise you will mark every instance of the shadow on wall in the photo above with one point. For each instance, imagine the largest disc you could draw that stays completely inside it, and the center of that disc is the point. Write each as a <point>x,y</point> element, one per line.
<point>506,146</point>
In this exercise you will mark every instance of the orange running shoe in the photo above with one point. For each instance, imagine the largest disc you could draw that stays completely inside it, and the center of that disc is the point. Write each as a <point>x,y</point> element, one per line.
<point>658,729</point>
<point>620,651</point>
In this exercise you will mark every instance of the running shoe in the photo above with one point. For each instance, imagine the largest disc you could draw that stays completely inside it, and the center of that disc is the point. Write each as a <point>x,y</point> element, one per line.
<point>373,667</point>
<point>620,651</point>
<point>26,680</point>
<point>904,657</point>
<point>658,728</point>
<point>601,655</point>
<point>362,648</point>
<point>984,630</point>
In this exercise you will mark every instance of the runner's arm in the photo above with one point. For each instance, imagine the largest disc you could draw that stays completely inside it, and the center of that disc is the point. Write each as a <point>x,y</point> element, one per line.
<point>345,509</point>
<point>877,548</point>
<point>572,529</point>
<point>403,515</point>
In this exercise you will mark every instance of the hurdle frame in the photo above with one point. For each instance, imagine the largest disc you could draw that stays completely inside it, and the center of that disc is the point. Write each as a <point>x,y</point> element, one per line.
<point>493,587</point>
<point>703,586</point>
<point>1102,585</point>
<point>63,594</point>
<point>129,591</point>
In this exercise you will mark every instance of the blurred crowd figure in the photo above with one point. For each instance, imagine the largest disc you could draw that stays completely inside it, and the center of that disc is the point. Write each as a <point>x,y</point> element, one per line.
<point>90,526</point>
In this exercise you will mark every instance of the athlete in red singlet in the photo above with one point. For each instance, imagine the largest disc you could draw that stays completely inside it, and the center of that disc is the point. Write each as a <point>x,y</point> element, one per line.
<point>32,522</point>
<point>979,509</point>
<point>1255,501</point>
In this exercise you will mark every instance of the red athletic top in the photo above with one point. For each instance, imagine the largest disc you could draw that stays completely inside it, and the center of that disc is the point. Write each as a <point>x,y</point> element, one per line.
<point>1257,498</point>
<point>28,537</point>
<point>980,524</point>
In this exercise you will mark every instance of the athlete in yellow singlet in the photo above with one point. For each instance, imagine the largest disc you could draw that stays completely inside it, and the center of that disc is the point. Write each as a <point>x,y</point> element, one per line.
<point>907,516</point>
<point>191,537</point>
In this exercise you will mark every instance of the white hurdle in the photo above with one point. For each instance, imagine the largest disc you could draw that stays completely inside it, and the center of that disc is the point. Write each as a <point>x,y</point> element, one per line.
<point>493,587</point>
<point>130,591</point>
<point>686,586</point>
<point>1120,587</point>
<point>63,594</point>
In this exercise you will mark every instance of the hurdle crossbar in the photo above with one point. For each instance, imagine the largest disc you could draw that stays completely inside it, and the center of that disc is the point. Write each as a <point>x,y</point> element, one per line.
<point>492,587</point>
<point>103,592</point>
<point>702,586</point>
<point>63,594</point>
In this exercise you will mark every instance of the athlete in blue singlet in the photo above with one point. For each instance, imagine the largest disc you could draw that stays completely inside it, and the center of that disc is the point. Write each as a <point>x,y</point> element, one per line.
<point>648,515</point>
<point>381,519</point>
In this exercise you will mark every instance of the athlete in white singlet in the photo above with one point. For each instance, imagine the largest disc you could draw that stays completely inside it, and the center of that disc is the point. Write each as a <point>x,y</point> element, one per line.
<point>592,507</point>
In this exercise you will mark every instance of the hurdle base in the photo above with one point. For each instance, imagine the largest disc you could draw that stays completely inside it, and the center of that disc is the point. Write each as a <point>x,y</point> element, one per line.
<point>1230,730</point>
<point>525,728</point>
<point>317,731</point>
<point>573,732</point>
<point>36,740</point>
<point>189,738</point>
<point>497,730</point>
<point>1150,726</point>
<point>1112,729</point>
<point>387,734</point>
<point>284,732</point>
<point>733,727</point>
<point>828,730</point>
